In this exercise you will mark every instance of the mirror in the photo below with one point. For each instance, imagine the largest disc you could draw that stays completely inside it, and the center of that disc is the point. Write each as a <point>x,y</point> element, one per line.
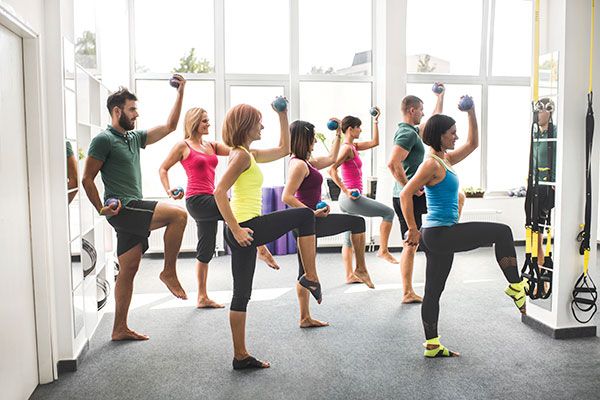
<point>544,150</point>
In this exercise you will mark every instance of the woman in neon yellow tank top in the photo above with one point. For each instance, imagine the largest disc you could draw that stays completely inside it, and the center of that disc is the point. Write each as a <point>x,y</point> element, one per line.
<point>246,228</point>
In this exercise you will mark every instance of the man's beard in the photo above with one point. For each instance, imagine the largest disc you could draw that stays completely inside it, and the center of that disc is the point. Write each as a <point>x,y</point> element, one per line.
<point>126,123</point>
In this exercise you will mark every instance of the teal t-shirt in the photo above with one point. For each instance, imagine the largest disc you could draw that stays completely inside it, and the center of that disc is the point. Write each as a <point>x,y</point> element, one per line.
<point>544,155</point>
<point>121,171</point>
<point>407,137</point>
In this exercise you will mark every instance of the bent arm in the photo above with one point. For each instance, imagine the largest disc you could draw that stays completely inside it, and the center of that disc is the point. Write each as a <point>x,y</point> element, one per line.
<point>158,132</point>
<point>268,155</point>
<point>174,156</point>
<point>423,176</point>
<point>90,170</point>
<point>333,171</point>
<point>395,166</point>
<point>239,162</point>
<point>471,144</point>
<point>298,171</point>
<point>324,162</point>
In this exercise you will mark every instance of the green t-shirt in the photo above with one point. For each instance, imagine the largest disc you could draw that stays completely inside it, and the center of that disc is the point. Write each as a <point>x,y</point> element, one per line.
<point>407,137</point>
<point>69,149</point>
<point>121,171</point>
<point>545,166</point>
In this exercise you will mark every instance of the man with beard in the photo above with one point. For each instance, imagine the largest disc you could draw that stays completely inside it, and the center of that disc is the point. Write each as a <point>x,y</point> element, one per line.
<point>115,153</point>
<point>407,155</point>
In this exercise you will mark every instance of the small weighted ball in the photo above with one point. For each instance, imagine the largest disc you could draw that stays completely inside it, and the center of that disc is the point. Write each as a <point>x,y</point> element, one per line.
<point>280,104</point>
<point>437,88</point>
<point>332,125</point>
<point>177,191</point>
<point>374,111</point>
<point>174,82</point>
<point>355,193</point>
<point>321,205</point>
<point>112,203</point>
<point>465,103</point>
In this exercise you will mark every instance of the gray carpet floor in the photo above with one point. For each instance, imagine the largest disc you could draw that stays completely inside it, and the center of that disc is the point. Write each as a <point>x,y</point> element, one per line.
<point>371,350</point>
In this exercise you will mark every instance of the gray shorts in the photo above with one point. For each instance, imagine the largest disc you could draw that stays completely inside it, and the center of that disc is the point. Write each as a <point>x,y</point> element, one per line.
<point>365,207</point>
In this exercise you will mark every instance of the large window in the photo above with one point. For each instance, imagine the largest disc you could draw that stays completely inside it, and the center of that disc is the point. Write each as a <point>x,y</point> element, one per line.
<point>508,136</point>
<point>469,171</point>
<point>443,37</point>
<point>320,101</point>
<point>238,51</point>
<point>156,98</point>
<point>335,37</point>
<point>486,53</point>
<point>261,97</point>
<point>257,36</point>
<point>174,36</point>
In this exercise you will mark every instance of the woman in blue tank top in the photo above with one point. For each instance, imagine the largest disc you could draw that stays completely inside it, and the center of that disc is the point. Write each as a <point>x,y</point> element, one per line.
<point>441,235</point>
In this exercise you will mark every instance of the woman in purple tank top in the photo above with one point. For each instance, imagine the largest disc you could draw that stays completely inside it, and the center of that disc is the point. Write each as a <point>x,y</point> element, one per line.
<point>303,189</point>
<point>351,182</point>
<point>198,157</point>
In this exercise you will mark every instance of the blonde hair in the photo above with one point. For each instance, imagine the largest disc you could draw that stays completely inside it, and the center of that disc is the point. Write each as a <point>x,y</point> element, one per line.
<point>193,117</point>
<point>239,121</point>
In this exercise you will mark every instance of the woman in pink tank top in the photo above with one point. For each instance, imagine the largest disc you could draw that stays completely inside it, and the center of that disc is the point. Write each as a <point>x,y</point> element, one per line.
<point>351,183</point>
<point>199,159</point>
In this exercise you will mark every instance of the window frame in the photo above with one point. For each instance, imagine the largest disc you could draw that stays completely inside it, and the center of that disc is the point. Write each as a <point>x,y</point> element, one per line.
<point>484,78</point>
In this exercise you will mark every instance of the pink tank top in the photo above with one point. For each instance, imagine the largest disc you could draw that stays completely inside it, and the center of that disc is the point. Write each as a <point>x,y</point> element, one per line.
<point>352,171</point>
<point>200,170</point>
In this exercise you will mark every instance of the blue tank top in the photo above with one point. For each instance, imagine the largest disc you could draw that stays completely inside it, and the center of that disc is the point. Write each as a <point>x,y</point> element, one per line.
<point>442,199</point>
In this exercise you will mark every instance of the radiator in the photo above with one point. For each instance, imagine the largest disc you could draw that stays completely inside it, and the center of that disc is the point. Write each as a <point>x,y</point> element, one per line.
<point>480,215</point>
<point>190,238</point>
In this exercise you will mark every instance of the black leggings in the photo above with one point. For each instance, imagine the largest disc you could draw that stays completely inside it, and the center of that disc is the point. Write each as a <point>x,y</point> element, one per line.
<point>331,225</point>
<point>440,244</point>
<point>266,228</point>
<point>203,209</point>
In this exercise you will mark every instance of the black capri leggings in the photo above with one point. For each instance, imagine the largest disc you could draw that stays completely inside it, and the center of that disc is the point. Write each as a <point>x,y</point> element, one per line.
<point>203,209</point>
<point>440,244</point>
<point>331,225</point>
<point>266,228</point>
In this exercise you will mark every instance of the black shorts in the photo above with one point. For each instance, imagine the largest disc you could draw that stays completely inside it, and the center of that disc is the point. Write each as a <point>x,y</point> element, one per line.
<point>420,208</point>
<point>132,225</point>
<point>205,212</point>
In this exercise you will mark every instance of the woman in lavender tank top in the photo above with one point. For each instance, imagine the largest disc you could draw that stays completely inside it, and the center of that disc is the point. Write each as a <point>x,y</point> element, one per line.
<point>303,189</point>
<point>351,165</point>
<point>198,157</point>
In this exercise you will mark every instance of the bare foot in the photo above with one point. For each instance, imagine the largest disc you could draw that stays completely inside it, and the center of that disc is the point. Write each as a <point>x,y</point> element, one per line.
<point>265,255</point>
<point>312,323</point>
<point>173,285</point>
<point>411,298</point>
<point>128,334</point>
<point>353,279</point>
<point>364,278</point>
<point>208,303</point>
<point>387,256</point>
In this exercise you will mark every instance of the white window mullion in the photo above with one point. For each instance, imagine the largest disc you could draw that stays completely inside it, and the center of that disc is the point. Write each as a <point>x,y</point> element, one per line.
<point>132,69</point>
<point>220,90</point>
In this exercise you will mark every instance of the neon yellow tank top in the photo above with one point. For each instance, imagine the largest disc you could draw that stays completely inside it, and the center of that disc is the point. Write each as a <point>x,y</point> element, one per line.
<point>246,193</point>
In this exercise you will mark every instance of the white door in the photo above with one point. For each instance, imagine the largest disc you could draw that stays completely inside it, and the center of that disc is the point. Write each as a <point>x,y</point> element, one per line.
<point>18,355</point>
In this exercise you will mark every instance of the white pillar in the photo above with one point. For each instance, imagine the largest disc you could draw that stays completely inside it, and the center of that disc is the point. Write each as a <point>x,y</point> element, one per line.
<point>390,89</point>
<point>570,25</point>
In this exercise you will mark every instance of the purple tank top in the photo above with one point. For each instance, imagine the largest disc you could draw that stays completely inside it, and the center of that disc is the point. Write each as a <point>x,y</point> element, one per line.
<point>309,192</point>
<point>352,171</point>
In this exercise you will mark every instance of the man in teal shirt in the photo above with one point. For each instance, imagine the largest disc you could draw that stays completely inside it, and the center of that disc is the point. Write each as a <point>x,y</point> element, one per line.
<point>115,153</point>
<point>407,155</point>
